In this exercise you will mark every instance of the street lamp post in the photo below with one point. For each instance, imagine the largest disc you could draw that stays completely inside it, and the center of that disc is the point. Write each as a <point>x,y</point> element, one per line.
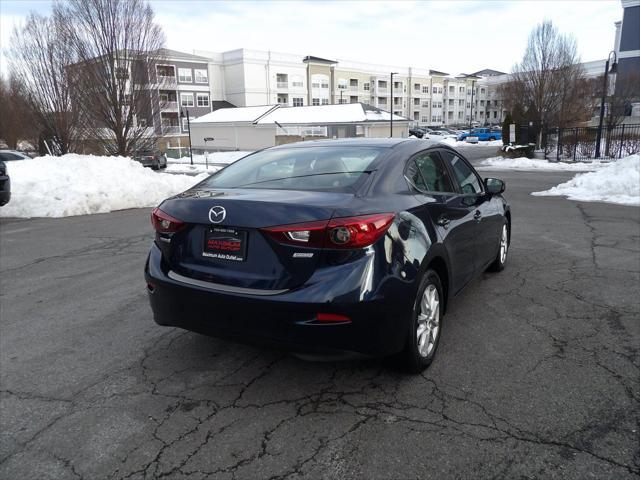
<point>182,115</point>
<point>614,68</point>
<point>391,86</point>
<point>473,82</point>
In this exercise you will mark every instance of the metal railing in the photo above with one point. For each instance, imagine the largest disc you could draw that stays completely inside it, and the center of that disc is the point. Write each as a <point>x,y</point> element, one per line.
<point>282,84</point>
<point>167,80</point>
<point>579,143</point>
<point>168,105</point>
<point>168,129</point>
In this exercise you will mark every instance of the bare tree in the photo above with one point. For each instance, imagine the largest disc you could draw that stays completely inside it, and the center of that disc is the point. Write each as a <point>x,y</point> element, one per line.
<point>16,117</point>
<point>549,82</point>
<point>115,43</point>
<point>38,56</point>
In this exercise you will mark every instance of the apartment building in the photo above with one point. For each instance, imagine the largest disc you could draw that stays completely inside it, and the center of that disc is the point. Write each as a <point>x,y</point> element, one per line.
<point>179,83</point>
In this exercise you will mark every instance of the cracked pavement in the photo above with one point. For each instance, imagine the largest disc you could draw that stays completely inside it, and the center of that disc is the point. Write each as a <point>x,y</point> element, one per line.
<point>537,374</point>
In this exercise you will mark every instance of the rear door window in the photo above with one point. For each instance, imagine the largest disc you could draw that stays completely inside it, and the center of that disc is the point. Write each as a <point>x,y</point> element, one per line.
<point>427,172</point>
<point>465,177</point>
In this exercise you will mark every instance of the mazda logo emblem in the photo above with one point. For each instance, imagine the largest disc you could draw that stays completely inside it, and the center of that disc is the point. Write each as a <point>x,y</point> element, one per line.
<point>217,214</point>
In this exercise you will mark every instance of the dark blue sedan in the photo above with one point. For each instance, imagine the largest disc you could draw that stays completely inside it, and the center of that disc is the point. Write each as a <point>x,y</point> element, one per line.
<point>328,247</point>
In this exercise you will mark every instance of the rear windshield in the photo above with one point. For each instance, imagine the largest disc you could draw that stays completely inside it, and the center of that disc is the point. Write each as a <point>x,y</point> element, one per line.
<point>312,168</point>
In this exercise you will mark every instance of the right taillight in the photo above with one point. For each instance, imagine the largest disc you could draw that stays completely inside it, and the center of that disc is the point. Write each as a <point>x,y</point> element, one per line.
<point>340,233</point>
<point>357,232</point>
<point>165,223</point>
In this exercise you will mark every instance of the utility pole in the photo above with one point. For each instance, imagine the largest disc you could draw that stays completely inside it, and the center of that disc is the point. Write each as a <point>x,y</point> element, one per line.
<point>189,130</point>
<point>391,86</point>
<point>614,68</point>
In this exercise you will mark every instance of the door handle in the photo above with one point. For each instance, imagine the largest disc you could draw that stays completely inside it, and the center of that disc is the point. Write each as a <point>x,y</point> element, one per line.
<point>443,221</point>
<point>477,215</point>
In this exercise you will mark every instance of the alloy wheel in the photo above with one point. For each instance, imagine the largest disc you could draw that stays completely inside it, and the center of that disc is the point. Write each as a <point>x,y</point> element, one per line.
<point>428,325</point>
<point>504,244</point>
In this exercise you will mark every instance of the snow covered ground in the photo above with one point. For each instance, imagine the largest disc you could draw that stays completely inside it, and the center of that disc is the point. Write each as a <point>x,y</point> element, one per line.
<point>618,182</point>
<point>524,163</point>
<point>187,169</point>
<point>85,184</point>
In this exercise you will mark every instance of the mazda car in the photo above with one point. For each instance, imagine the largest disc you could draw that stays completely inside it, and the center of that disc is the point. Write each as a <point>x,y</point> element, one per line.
<point>330,247</point>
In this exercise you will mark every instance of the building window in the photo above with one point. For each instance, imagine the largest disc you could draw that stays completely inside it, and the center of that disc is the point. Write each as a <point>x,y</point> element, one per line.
<point>397,85</point>
<point>283,99</point>
<point>341,101</point>
<point>382,100</point>
<point>185,124</point>
<point>202,99</point>
<point>382,84</point>
<point>353,99</point>
<point>416,116</point>
<point>451,102</point>
<point>325,101</point>
<point>451,90</point>
<point>365,86</point>
<point>425,119</point>
<point>298,101</point>
<point>186,99</point>
<point>202,76</point>
<point>482,103</point>
<point>495,114</point>
<point>425,103</point>
<point>282,80</point>
<point>296,81</point>
<point>416,101</point>
<point>425,89</point>
<point>416,87</point>
<point>342,84</point>
<point>184,75</point>
<point>461,89</point>
<point>315,101</point>
<point>482,91</point>
<point>320,81</point>
<point>353,83</point>
<point>461,103</point>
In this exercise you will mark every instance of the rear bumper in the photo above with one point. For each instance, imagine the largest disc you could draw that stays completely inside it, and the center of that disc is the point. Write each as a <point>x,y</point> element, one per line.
<point>286,320</point>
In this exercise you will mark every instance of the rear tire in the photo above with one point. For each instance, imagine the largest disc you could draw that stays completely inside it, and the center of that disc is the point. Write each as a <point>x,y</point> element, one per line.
<point>503,248</point>
<point>426,324</point>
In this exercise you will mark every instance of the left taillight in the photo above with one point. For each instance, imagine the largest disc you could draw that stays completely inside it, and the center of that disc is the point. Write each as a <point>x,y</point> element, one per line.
<point>337,233</point>
<point>165,223</point>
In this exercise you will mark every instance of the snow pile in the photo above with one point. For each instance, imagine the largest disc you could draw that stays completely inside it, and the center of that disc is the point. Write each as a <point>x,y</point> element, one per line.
<point>524,163</point>
<point>84,184</point>
<point>617,183</point>
<point>216,158</point>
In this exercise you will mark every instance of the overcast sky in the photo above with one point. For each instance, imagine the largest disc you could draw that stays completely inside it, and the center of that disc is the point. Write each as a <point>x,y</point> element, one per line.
<point>451,36</point>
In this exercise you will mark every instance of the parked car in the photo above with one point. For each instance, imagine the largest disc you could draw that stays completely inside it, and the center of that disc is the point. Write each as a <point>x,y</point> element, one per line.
<point>11,155</point>
<point>5,184</point>
<point>483,134</point>
<point>353,245</point>
<point>440,134</point>
<point>151,158</point>
<point>417,132</point>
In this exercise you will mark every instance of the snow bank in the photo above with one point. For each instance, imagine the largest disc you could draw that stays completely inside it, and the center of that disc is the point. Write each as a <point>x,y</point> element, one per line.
<point>84,184</point>
<point>218,158</point>
<point>524,163</point>
<point>619,182</point>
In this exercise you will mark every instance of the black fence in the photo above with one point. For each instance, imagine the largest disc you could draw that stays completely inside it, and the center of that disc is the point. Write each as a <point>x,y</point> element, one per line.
<point>579,143</point>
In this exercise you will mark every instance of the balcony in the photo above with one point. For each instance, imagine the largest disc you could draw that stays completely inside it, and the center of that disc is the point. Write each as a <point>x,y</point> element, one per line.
<point>167,81</point>
<point>169,106</point>
<point>170,129</point>
<point>282,84</point>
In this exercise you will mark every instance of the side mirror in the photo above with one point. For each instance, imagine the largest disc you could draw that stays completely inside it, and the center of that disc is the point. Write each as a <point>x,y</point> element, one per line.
<point>494,186</point>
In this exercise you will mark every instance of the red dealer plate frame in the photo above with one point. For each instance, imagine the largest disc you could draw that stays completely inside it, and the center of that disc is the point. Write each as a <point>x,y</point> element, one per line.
<point>222,243</point>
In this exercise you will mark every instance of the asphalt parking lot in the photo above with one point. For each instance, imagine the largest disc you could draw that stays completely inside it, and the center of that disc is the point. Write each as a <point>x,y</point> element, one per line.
<point>537,375</point>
